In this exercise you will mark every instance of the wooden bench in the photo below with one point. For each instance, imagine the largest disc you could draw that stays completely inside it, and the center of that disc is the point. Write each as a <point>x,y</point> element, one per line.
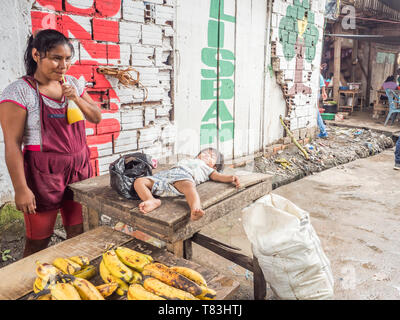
<point>171,221</point>
<point>18,277</point>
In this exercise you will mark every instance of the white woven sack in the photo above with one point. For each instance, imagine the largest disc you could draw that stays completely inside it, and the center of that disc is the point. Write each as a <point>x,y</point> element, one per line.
<point>288,249</point>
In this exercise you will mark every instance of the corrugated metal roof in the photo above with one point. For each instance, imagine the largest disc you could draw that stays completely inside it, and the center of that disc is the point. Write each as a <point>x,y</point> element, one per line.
<point>394,4</point>
<point>379,8</point>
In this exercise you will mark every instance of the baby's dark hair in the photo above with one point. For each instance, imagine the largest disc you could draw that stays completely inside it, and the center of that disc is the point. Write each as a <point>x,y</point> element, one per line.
<point>220,163</point>
<point>43,41</point>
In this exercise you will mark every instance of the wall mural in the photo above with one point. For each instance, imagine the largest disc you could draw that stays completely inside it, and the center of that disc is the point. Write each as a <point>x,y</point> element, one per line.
<point>299,36</point>
<point>217,84</point>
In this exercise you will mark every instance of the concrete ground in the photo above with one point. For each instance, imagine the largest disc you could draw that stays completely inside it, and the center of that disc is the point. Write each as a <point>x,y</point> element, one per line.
<point>355,209</point>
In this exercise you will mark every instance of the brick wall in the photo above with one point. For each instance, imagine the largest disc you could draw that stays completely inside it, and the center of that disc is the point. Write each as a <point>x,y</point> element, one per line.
<point>120,33</point>
<point>297,28</point>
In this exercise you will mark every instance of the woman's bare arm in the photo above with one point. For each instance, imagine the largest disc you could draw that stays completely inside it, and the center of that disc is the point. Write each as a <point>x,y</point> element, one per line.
<point>12,120</point>
<point>88,107</point>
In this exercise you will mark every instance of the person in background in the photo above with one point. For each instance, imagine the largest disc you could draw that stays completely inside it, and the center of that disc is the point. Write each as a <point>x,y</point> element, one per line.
<point>322,87</point>
<point>398,78</point>
<point>390,83</point>
<point>397,155</point>
<point>43,152</point>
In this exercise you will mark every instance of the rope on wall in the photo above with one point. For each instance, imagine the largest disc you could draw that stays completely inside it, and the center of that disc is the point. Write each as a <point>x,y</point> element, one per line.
<point>125,77</point>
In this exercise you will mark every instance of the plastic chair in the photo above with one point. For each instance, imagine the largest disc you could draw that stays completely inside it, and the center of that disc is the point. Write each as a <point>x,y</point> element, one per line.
<point>394,105</point>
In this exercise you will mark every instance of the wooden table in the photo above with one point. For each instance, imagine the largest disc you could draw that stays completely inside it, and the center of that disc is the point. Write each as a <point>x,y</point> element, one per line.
<point>18,277</point>
<point>354,93</point>
<point>171,221</point>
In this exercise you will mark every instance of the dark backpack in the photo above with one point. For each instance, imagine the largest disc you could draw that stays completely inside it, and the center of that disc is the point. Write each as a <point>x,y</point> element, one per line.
<point>125,170</point>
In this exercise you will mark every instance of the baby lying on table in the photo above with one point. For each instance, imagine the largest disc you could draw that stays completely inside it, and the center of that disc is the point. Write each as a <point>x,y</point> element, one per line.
<point>181,180</point>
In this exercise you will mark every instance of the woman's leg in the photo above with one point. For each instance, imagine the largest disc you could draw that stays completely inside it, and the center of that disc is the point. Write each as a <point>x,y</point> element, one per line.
<point>397,155</point>
<point>39,228</point>
<point>71,214</point>
<point>188,188</point>
<point>33,246</point>
<point>143,189</point>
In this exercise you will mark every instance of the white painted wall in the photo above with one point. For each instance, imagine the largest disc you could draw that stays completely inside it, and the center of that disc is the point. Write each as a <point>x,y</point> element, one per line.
<point>15,26</point>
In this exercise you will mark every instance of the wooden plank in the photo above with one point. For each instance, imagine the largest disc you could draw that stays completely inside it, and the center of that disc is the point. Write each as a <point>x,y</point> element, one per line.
<point>92,244</point>
<point>174,210</point>
<point>250,46</point>
<point>191,38</point>
<point>17,278</point>
<point>186,228</point>
<point>97,194</point>
<point>237,201</point>
<point>229,254</point>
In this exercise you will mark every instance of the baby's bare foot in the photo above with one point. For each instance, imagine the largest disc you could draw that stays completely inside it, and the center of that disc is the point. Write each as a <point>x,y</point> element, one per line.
<point>149,205</point>
<point>196,214</point>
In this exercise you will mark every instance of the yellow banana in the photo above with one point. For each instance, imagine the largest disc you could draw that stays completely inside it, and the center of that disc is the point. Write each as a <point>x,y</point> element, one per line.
<point>116,267</point>
<point>39,285</point>
<point>86,289</point>
<point>137,277</point>
<point>190,274</point>
<point>81,260</point>
<point>64,291</point>
<point>172,278</point>
<point>107,277</point>
<point>47,272</point>
<point>67,266</point>
<point>107,289</point>
<point>165,291</point>
<point>207,294</point>
<point>137,292</point>
<point>132,258</point>
<point>87,272</point>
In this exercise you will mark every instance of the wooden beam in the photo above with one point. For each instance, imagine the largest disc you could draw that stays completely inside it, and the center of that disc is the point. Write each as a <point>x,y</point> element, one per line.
<point>354,58</point>
<point>223,251</point>
<point>371,56</point>
<point>337,63</point>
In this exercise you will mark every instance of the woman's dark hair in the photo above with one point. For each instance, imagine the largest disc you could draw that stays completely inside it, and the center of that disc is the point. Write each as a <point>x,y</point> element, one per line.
<point>220,163</point>
<point>43,41</point>
<point>390,79</point>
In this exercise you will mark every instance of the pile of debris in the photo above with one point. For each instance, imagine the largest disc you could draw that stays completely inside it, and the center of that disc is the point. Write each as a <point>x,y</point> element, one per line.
<point>343,145</point>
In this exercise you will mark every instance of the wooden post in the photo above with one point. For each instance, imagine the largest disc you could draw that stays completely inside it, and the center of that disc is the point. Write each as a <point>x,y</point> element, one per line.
<point>177,248</point>
<point>337,64</point>
<point>354,58</point>
<point>369,79</point>
<point>90,218</point>
<point>260,286</point>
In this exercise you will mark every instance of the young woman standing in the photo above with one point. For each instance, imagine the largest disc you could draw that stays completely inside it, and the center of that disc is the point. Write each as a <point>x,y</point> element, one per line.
<point>55,153</point>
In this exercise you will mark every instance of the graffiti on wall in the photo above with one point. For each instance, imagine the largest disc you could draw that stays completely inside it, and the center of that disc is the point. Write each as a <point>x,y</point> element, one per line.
<point>299,36</point>
<point>100,45</point>
<point>217,84</point>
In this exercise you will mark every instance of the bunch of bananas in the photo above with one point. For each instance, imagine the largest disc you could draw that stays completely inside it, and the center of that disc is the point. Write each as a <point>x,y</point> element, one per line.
<point>67,279</point>
<point>140,278</point>
<point>124,271</point>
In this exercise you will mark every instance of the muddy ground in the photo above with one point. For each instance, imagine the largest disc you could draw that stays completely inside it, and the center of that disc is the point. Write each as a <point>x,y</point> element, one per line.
<point>342,146</point>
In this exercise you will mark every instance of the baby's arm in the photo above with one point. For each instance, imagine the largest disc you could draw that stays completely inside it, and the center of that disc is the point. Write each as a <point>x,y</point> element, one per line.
<point>219,177</point>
